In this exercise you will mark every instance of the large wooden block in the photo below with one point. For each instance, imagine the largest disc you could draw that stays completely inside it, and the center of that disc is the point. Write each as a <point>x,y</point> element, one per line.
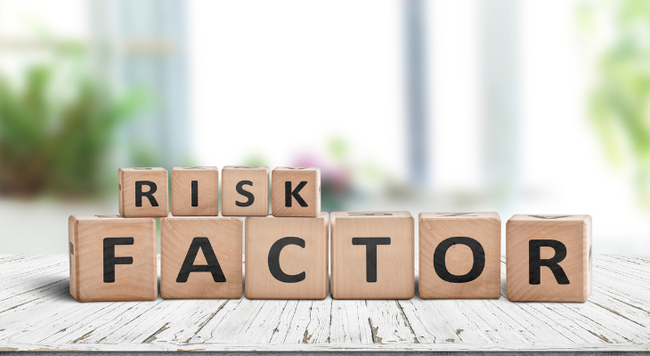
<point>548,258</point>
<point>372,255</point>
<point>287,258</point>
<point>460,255</point>
<point>296,191</point>
<point>201,257</point>
<point>143,192</point>
<point>112,258</point>
<point>245,191</point>
<point>195,191</point>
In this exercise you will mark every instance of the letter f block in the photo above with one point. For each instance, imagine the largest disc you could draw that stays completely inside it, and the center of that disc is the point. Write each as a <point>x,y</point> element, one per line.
<point>143,192</point>
<point>296,191</point>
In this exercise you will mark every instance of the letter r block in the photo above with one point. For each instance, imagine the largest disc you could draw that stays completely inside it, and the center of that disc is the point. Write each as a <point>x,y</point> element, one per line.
<point>548,258</point>
<point>245,191</point>
<point>195,191</point>
<point>372,255</point>
<point>296,191</point>
<point>460,255</point>
<point>143,192</point>
<point>112,258</point>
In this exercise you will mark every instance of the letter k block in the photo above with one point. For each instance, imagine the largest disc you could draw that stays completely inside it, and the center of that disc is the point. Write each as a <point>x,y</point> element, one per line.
<point>296,191</point>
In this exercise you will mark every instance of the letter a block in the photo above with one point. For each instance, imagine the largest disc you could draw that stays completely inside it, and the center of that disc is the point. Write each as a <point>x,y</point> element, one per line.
<point>372,255</point>
<point>460,255</point>
<point>143,192</point>
<point>112,258</point>
<point>296,191</point>
<point>286,258</point>
<point>201,257</point>
<point>195,191</point>
<point>245,191</point>
<point>548,258</point>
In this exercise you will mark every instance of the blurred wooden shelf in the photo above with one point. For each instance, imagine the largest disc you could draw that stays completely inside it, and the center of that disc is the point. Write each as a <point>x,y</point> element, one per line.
<point>37,313</point>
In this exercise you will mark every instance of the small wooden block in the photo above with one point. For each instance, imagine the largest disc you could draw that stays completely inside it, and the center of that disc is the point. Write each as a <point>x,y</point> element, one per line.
<point>548,258</point>
<point>143,192</point>
<point>296,191</point>
<point>112,258</point>
<point>195,191</point>
<point>373,255</point>
<point>245,191</point>
<point>286,258</point>
<point>201,257</point>
<point>460,255</point>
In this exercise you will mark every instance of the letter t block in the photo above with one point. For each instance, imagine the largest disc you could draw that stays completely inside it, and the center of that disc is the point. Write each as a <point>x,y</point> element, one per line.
<point>296,191</point>
<point>143,192</point>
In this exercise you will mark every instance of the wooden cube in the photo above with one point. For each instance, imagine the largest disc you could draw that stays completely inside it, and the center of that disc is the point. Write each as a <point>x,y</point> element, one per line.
<point>287,258</point>
<point>548,258</point>
<point>460,255</point>
<point>201,257</point>
<point>112,258</point>
<point>296,191</point>
<point>195,191</point>
<point>372,255</point>
<point>143,192</point>
<point>245,191</point>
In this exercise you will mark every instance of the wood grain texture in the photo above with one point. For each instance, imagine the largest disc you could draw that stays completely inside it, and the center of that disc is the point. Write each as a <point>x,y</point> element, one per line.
<point>205,180</point>
<point>253,180</point>
<point>262,233</point>
<point>574,234</point>
<point>304,182</point>
<point>134,281</point>
<point>127,179</point>
<point>482,227</point>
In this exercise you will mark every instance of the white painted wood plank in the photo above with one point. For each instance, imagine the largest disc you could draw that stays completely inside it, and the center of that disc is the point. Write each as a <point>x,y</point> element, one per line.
<point>349,323</point>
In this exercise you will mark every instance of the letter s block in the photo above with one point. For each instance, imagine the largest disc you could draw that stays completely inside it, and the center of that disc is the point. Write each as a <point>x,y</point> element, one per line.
<point>245,191</point>
<point>460,255</point>
<point>112,258</point>
<point>296,191</point>
<point>548,258</point>
<point>195,191</point>
<point>143,192</point>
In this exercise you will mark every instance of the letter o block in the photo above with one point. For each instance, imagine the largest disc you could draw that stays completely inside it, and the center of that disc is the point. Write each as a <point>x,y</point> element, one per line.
<point>296,191</point>
<point>143,192</point>
<point>245,191</point>
<point>548,258</point>
<point>195,191</point>
<point>460,255</point>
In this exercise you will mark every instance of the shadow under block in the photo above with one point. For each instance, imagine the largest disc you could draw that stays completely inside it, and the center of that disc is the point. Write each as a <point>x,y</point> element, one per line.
<point>296,191</point>
<point>245,191</point>
<point>372,255</point>
<point>143,192</point>
<point>112,258</point>
<point>201,257</point>
<point>286,258</point>
<point>460,255</point>
<point>195,191</point>
<point>548,258</point>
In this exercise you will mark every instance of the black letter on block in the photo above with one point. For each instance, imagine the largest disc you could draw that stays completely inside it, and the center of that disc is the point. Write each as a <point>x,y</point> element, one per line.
<point>195,193</point>
<point>247,194</point>
<point>274,260</point>
<point>535,262</point>
<point>109,256</point>
<point>288,193</point>
<point>371,254</point>
<point>139,194</point>
<point>188,265</point>
<point>440,265</point>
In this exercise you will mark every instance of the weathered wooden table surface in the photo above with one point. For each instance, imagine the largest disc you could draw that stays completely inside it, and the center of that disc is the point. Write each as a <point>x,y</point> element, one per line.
<point>37,313</point>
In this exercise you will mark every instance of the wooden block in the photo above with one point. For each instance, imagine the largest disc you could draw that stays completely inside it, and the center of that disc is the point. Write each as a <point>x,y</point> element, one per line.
<point>286,258</point>
<point>112,258</point>
<point>143,192</point>
<point>548,258</point>
<point>201,257</point>
<point>373,255</point>
<point>460,255</point>
<point>296,191</point>
<point>195,191</point>
<point>245,191</point>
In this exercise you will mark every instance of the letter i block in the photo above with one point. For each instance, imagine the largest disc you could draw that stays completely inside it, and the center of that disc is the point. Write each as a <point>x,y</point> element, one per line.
<point>296,191</point>
<point>245,191</point>
<point>548,258</point>
<point>460,255</point>
<point>112,258</point>
<point>195,191</point>
<point>372,255</point>
<point>143,192</point>
<point>201,257</point>
<point>286,258</point>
